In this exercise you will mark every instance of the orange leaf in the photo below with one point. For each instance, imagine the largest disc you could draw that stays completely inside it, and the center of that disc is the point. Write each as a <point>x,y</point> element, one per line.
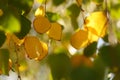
<point>79,39</point>
<point>33,46</point>
<point>14,38</point>
<point>44,51</point>
<point>55,32</point>
<point>41,24</point>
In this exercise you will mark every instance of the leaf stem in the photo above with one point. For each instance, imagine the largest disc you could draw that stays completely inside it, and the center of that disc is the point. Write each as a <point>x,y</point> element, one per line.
<point>45,5</point>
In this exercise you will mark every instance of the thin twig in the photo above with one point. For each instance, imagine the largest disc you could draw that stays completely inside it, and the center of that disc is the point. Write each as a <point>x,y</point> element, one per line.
<point>45,5</point>
<point>17,62</point>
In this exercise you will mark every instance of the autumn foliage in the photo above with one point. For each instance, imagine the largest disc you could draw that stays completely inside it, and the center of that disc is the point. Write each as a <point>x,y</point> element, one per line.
<point>75,41</point>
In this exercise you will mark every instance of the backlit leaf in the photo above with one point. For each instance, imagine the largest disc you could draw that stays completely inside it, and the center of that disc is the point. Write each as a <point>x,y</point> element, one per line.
<point>40,1</point>
<point>79,39</point>
<point>44,51</point>
<point>52,17</point>
<point>14,38</point>
<point>4,61</point>
<point>40,11</point>
<point>55,32</point>
<point>10,23</point>
<point>115,11</point>
<point>33,47</point>
<point>41,24</point>
<point>2,38</point>
<point>91,36</point>
<point>96,23</point>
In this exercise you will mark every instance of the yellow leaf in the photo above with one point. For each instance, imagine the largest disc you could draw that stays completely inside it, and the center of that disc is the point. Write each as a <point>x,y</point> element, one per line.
<point>41,24</point>
<point>96,23</point>
<point>40,11</point>
<point>55,32</point>
<point>33,46</point>
<point>14,38</point>
<point>40,1</point>
<point>79,39</point>
<point>91,36</point>
<point>44,51</point>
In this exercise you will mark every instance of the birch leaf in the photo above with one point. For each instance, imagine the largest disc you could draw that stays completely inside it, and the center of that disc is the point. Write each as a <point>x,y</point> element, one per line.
<point>41,24</point>
<point>55,32</point>
<point>79,39</point>
<point>96,23</point>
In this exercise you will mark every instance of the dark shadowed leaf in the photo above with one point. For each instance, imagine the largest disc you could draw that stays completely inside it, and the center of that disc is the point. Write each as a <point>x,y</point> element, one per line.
<point>110,55</point>
<point>83,73</point>
<point>105,38</point>
<point>73,10</point>
<point>99,68</point>
<point>90,49</point>
<point>25,27</point>
<point>58,2</point>
<point>4,61</point>
<point>23,6</point>
<point>2,38</point>
<point>60,66</point>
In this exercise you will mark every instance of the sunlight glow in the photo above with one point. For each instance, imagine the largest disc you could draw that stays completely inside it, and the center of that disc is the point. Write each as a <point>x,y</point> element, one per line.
<point>110,76</point>
<point>118,24</point>
<point>72,50</point>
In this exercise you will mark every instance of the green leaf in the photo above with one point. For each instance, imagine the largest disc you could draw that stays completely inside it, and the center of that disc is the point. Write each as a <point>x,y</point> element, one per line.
<point>90,49</point>
<point>99,68</point>
<point>115,11</point>
<point>4,61</point>
<point>98,1</point>
<point>83,73</point>
<point>23,6</point>
<point>58,2</point>
<point>25,27</point>
<point>105,38</point>
<point>52,16</point>
<point>110,55</point>
<point>86,1</point>
<point>73,10</point>
<point>60,66</point>
<point>9,22</point>
<point>2,38</point>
